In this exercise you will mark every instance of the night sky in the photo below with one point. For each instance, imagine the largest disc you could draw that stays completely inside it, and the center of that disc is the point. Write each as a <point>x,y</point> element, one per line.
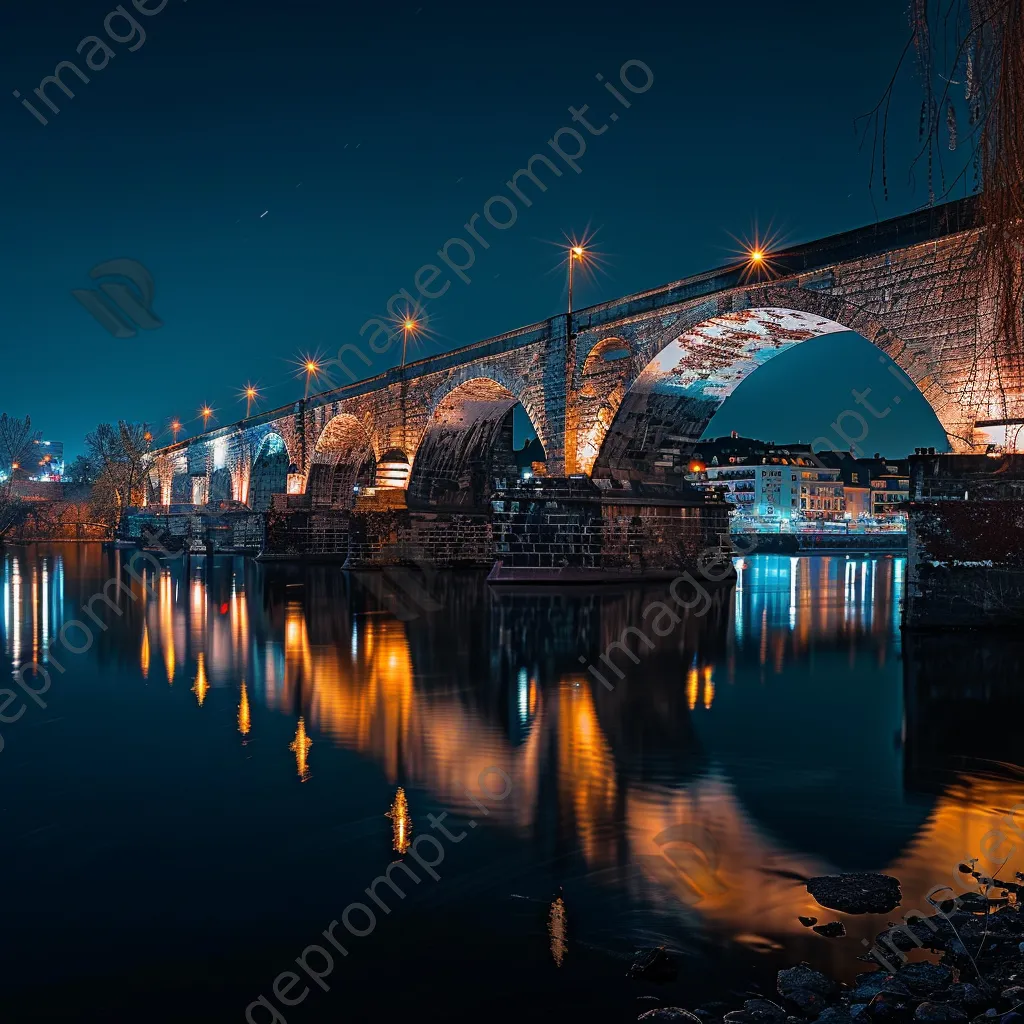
<point>367,136</point>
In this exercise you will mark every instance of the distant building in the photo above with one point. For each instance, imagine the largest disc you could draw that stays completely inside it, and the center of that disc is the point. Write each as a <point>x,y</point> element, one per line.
<point>49,464</point>
<point>873,488</point>
<point>768,481</point>
<point>890,487</point>
<point>856,478</point>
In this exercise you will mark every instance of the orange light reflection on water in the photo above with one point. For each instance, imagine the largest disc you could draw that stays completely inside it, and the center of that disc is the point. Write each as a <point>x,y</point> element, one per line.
<point>694,847</point>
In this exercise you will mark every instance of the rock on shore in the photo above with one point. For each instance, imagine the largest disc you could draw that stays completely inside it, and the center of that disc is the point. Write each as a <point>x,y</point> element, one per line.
<point>863,893</point>
<point>978,980</point>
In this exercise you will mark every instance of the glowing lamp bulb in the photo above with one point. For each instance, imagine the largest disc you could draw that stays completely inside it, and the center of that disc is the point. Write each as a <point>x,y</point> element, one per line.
<point>409,325</point>
<point>250,392</point>
<point>757,256</point>
<point>577,251</point>
<point>311,367</point>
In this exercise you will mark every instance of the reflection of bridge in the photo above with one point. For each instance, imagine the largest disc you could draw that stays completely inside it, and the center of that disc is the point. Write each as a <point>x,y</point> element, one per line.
<point>621,389</point>
<point>699,842</point>
<point>432,714</point>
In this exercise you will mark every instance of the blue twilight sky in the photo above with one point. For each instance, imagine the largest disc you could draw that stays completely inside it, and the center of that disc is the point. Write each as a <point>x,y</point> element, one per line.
<point>282,170</point>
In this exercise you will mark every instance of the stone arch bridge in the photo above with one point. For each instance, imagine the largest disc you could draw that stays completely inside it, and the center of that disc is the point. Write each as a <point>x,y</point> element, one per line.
<point>623,388</point>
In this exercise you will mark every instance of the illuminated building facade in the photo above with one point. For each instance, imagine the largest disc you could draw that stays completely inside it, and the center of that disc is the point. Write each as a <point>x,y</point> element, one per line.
<point>50,463</point>
<point>767,481</point>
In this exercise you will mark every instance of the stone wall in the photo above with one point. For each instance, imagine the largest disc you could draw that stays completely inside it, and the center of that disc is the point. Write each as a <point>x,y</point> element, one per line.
<point>444,540</point>
<point>381,537</point>
<point>965,541</point>
<point>571,525</point>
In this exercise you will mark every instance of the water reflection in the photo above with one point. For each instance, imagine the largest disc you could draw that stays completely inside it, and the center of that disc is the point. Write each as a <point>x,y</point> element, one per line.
<point>201,686</point>
<point>556,931</point>
<point>776,735</point>
<point>401,823</point>
<point>244,715</point>
<point>300,747</point>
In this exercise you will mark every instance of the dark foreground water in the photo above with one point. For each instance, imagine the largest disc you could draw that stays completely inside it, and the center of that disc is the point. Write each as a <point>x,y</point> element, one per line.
<point>242,751</point>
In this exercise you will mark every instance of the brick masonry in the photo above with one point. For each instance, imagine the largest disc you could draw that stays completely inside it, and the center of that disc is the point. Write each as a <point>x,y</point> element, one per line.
<point>965,563</point>
<point>571,524</point>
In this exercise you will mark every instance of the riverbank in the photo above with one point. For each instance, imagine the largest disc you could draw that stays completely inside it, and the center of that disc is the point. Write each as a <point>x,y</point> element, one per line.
<point>828,543</point>
<point>975,972</point>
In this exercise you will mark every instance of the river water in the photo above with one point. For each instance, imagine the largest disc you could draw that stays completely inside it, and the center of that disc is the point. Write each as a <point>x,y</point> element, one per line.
<point>225,765</point>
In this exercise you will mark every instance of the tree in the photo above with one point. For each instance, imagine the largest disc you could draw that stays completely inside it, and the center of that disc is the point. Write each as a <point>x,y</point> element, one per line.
<point>12,510</point>
<point>81,472</point>
<point>970,64</point>
<point>120,456</point>
<point>17,442</point>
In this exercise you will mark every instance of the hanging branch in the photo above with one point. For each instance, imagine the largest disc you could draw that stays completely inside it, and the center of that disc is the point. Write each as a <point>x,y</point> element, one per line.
<point>979,45</point>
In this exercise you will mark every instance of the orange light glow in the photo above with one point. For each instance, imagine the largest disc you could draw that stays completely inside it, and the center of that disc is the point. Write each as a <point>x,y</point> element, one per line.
<point>578,251</point>
<point>409,325</point>
<point>244,717</point>
<point>401,822</point>
<point>144,653</point>
<point>692,681</point>
<point>756,256</point>
<point>201,686</point>
<point>300,747</point>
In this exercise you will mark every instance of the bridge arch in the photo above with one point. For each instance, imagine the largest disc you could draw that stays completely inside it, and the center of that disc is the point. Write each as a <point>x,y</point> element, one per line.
<point>679,376</point>
<point>602,379</point>
<point>467,442</point>
<point>269,473</point>
<point>343,459</point>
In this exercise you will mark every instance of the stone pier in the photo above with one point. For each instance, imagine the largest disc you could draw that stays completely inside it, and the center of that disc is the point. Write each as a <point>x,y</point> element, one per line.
<point>965,563</point>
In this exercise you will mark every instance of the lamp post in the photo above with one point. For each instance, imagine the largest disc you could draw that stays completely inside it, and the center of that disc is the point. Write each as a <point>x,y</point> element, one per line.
<point>408,327</point>
<point>206,412</point>
<point>175,429</point>
<point>250,393</point>
<point>312,368</point>
<point>577,252</point>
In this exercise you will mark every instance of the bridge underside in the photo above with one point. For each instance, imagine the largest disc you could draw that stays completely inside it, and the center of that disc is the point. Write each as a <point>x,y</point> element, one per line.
<point>668,407</point>
<point>467,445</point>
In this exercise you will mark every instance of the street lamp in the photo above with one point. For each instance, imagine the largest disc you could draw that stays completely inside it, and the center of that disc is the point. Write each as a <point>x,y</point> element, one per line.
<point>576,253</point>
<point>311,368</point>
<point>250,393</point>
<point>409,326</point>
<point>175,429</point>
<point>206,412</point>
